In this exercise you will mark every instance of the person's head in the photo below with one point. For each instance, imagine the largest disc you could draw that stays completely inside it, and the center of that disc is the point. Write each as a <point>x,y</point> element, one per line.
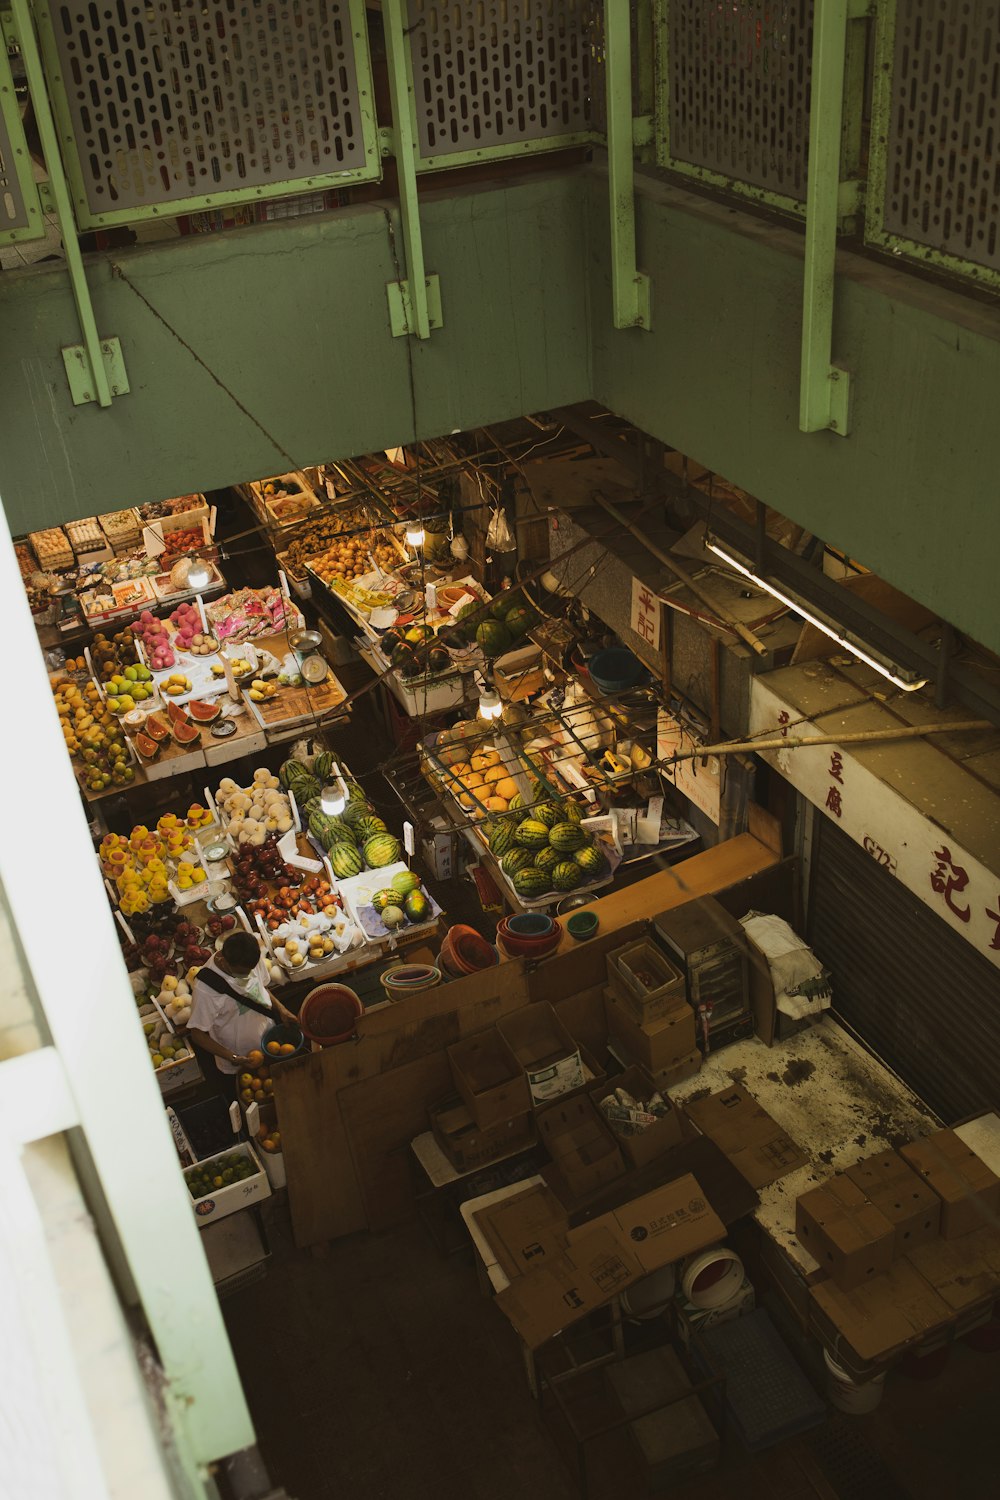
<point>240,954</point>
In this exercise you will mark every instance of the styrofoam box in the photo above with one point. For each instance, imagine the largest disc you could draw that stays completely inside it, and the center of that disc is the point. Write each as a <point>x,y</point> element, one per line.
<point>236,1195</point>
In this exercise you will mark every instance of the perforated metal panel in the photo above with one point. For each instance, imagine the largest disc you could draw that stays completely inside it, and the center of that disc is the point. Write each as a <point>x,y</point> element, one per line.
<point>739,90</point>
<point>13,210</point>
<point>174,101</point>
<point>490,75</point>
<point>942,184</point>
<point>19,216</point>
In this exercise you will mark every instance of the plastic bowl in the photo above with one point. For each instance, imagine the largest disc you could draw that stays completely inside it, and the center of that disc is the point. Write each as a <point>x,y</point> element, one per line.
<point>582,925</point>
<point>285,1035</point>
<point>529,924</point>
<point>330,1014</point>
<point>614,670</point>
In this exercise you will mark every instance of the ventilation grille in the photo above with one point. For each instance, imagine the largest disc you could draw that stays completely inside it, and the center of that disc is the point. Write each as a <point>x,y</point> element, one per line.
<point>943,167</point>
<point>739,90</point>
<point>172,100</point>
<point>489,75</point>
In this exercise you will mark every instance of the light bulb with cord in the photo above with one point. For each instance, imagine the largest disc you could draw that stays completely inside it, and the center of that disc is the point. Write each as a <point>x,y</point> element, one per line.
<point>415,535</point>
<point>333,797</point>
<point>199,574</point>
<point>490,703</point>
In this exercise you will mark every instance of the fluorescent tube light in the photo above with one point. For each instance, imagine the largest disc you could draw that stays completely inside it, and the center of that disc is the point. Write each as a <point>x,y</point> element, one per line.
<point>827,630</point>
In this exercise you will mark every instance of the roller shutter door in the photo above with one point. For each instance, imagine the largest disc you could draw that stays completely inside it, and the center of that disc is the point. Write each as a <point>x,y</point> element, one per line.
<point>921,997</point>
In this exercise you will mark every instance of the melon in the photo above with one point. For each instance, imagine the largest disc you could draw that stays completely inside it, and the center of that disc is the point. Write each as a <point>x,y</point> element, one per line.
<point>148,748</point>
<point>184,732</point>
<point>203,712</point>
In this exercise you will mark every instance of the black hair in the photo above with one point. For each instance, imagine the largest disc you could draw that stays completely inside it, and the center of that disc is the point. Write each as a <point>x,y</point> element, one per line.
<point>242,950</point>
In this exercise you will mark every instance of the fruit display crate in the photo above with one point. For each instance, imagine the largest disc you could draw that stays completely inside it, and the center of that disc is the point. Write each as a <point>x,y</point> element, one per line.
<point>356,893</point>
<point>230,1197</point>
<point>419,695</point>
<point>268,505</point>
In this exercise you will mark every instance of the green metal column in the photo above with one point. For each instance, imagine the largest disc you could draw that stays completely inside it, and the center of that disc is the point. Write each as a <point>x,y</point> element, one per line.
<point>95,379</point>
<point>629,286</point>
<point>409,302</point>
<point>824,394</point>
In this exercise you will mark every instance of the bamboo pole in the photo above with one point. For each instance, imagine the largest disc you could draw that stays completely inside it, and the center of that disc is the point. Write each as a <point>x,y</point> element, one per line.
<point>681,573</point>
<point>855,737</point>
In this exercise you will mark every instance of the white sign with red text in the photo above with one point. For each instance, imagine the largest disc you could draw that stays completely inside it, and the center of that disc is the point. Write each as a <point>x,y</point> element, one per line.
<point>646,610</point>
<point>891,830</point>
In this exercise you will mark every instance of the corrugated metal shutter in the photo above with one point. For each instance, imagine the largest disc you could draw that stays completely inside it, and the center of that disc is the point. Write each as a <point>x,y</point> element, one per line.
<point>920,996</point>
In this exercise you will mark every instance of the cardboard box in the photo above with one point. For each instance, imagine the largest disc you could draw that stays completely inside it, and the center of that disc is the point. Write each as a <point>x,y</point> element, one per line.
<point>844,1232</point>
<point>468,1147</point>
<point>756,1145</point>
<point>489,1078</point>
<point>665,1079</point>
<point>910,1205</point>
<point>525,1231</point>
<point>968,1190</point>
<point>875,1321</point>
<point>544,1049</point>
<point>604,1257</point>
<point>645,1145</point>
<point>654,1044</point>
<point>583,1150</point>
<point>235,1195</point>
<point>648,985</point>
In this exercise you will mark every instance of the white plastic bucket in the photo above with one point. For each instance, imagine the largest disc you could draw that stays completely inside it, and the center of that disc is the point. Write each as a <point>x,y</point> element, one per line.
<point>847,1394</point>
<point>712,1278</point>
<point>651,1296</point>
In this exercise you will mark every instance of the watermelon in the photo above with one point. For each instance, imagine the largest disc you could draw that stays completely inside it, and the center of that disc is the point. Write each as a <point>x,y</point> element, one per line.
<point>503,603</point>
<point>567,875</point>
<point>354,793</point>
<point>516,859</point>
<point>355,812</point>
<point>547,858</point>
<point>383,849</point>
<point>492,638</point>
<point>386,897</point>
<point>314,805</point>
<point>590,860</point>
<point>290,770</point>
<point>368,826</point>
<point>519,621</point>
<point>417,907</point>
<point>547,813</point>
<point>573,811</point>
<point>567,837</point>
<point>405,881</point>
<point>501,835</point>
<point>531,883</point>
<point>322,765</point>
<point>468,618</point>
<point>516,804</point>
<point>345,861</point>
<point>533,835</point>
<point>305,788</point>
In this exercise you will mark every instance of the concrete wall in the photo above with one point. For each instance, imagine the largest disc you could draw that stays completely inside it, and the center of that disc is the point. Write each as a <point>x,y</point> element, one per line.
<point>293,319</point>
<point>912,491</point>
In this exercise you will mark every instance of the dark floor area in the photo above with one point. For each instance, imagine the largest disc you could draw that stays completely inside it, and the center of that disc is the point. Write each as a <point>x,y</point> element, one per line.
<point>378,1370</point>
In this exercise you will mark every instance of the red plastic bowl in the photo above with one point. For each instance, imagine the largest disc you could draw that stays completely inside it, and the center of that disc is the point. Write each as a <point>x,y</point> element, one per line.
<point>329,1014</point>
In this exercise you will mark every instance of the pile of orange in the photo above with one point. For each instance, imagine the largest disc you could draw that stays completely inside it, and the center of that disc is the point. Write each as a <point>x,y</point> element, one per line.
<point>269,1138</point>
<point>256,1085</point>
<point>280,1049</point>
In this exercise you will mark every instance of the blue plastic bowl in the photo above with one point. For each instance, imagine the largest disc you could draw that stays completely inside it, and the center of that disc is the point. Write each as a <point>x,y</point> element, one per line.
<point>530,924</point>
<point>615,670</point>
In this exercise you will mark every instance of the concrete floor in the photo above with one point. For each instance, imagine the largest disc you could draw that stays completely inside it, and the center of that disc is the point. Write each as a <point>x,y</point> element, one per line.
<point>379,1370</point>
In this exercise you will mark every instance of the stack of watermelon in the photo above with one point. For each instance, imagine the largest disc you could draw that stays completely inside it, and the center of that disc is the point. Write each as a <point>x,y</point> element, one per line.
<point>497,627</point>
<point>356,839</point>
<point>542,849</point>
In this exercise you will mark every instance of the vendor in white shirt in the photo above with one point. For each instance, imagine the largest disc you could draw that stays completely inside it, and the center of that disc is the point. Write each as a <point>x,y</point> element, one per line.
<point>231,1007</point>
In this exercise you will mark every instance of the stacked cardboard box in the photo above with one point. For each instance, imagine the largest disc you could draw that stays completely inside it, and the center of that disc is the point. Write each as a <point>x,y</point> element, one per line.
<point>640,1145</point>
<point>585,1155</point>
<point>850,1238</point>
<point>968,1191</point>
<point>897,1191</point>
<point>489,1079</point>
<point>554,1065</point>
<point>754,1142</point>
<point>649,1019</point>
<point>467,1146</point>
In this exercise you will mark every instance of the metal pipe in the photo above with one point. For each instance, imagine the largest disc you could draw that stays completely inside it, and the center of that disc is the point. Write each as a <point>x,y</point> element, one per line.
<point>406,167</point>
<point>26,40</point>
<point>629,287</point>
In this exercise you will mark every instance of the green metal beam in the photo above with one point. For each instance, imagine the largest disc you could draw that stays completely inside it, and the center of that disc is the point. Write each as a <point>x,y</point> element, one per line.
<point>412,294</point>
<point>20,163</point>
<point>95,356</point>
<point>824,390</point>
<point>629,286</point>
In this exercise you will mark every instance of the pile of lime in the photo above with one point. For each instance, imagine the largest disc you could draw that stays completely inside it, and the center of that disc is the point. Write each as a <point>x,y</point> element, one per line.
<point>211,1176</point>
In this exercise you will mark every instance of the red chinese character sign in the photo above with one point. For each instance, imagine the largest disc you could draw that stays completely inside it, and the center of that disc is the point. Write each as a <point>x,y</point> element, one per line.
<point>646,609</point>
<point>898,827</point>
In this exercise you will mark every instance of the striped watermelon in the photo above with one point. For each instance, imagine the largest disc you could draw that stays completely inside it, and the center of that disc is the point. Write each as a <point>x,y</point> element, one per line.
<point>567,837</point>
<point>384,898</point>
<point>547,813</point>
<point>573,812</point>
<point>322,765</point>
<point>516,805</point>
<point>501,836</point>
<point>292,770</point>
<point>590,860</point>
<point>368,826</point>
<point>533,835</point>
<point>567,875</point>
<point>516,859</point>
<point>547,858</point>
<point>531,883</point>
<point>383,849</point>
<point>355,812</point>
<point>405,881</point>
<point>345,861</point>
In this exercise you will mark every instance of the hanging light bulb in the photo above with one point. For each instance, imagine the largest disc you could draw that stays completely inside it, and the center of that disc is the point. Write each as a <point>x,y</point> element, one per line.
<point>415,534</point>
<point>199,574</point>
<point>490,705</point>
<point>333,797</point>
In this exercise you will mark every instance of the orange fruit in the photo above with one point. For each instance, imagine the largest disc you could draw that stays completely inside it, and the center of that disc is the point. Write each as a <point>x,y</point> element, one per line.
<point>255,1058</point>
<point>246,1079</point>
<point>274,1048</point>
<point>287,1049</point>
<point>246,1095</point>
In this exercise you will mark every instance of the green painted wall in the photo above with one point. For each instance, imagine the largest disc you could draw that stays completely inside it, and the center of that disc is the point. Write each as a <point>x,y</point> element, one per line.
<point>912,491</point>
<point>293,319</point>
